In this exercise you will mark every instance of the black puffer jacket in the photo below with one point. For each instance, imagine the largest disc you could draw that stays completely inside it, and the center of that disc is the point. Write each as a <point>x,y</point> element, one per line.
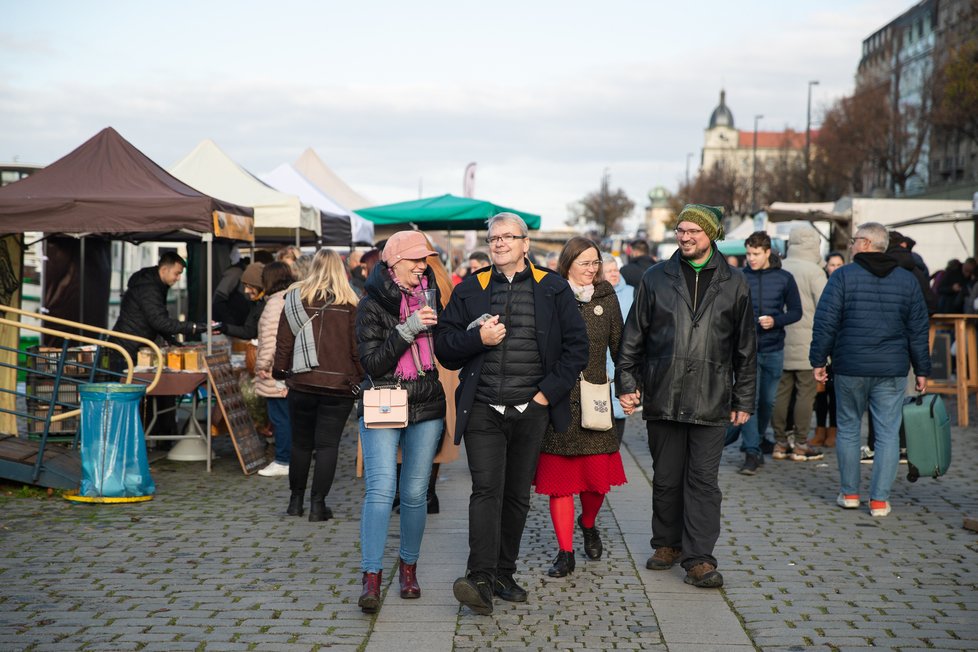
<point>691,367</point>
<point>381,346</point>
<point>143,311</point>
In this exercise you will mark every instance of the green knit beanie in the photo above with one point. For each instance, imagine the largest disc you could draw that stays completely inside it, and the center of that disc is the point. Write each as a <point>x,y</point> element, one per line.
<point>709,218</point>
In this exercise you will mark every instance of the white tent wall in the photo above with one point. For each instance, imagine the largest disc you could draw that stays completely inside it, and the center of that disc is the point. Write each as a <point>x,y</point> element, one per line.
<point>287,179</point>
<point>208,169</point>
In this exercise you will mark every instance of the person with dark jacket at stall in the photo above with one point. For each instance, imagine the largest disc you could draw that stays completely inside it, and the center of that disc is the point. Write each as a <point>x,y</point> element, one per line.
<point>899,249</point>
<point>515,331</point>
<point>143,309</point>
<point>688,358</point>
<point>317,356</point>
<point>253,289</point>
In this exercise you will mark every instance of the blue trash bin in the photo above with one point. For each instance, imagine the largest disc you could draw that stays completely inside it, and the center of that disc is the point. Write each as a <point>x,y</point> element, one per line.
<point>113,444</point>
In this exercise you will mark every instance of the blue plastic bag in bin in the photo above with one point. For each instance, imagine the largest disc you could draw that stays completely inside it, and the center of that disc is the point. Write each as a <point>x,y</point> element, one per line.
<point>113,445</point>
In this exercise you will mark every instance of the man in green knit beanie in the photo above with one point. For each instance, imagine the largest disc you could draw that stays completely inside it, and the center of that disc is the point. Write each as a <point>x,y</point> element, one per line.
<point>688,357</point>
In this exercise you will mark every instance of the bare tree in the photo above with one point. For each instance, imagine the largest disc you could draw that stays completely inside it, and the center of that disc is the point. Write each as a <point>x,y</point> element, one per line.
<point>717,186</point>
<point>604,208</point>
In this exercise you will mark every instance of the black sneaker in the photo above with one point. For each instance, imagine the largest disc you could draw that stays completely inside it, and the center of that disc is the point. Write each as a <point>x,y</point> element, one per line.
<point>750,466</point>
<point>475,592</point>
<point>507,589</point>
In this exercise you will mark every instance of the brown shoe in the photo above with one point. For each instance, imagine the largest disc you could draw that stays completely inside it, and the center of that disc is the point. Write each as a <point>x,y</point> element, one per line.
<point>664,558</point>
<point>818,439</point>
<point>369,601</point>
<point>830,437</point>
<point>407,575</point>
<point>704,575</point>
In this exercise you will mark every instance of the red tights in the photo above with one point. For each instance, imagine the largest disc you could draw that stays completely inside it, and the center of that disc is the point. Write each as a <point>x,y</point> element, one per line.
<point>562,515</point>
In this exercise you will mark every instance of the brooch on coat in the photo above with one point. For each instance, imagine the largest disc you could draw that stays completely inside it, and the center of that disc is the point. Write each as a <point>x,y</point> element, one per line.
<point>598,310</point>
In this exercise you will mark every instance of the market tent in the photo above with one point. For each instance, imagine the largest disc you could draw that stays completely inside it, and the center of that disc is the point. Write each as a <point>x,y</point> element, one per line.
<point>444,212</point>
<point>277,215</point>
<point>107,186</point>
<point>340,226</point>
<point>312,168</point>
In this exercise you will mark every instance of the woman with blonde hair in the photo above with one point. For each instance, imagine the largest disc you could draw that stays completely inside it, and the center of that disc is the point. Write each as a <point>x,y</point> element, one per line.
<point>317,356</point>
<point>394,324</point>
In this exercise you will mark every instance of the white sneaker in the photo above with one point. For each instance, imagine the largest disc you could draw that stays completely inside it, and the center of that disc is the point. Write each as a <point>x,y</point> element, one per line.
<point>847,502</point>
<point>274,470</point>
<point>879,507</point>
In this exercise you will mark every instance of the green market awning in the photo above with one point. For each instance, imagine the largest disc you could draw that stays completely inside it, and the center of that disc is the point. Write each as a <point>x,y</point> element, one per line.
<point>446,212</point>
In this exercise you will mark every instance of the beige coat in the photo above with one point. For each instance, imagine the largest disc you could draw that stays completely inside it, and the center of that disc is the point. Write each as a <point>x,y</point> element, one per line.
<point>804,263</point>
<point>267,334</point>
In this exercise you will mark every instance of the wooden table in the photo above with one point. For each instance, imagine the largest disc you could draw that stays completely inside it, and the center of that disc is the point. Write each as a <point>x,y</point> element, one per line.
<point>966,368</point>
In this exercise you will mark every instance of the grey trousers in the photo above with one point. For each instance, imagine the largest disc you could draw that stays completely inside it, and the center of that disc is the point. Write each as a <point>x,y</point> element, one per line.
<point>803,382</point>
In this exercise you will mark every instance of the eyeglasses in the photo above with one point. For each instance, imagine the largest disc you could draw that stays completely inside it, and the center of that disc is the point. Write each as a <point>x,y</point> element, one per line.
<point>852,241</point>
<point>592,264</point>
<point>693,232</point>
<point>506,237</point>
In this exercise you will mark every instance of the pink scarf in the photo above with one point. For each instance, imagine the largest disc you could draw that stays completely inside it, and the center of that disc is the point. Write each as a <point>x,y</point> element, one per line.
<point>418,358</point>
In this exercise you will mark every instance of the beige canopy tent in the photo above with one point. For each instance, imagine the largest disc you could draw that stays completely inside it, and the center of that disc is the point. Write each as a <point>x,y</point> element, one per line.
<point>312,168</point>
<point>278,216</point>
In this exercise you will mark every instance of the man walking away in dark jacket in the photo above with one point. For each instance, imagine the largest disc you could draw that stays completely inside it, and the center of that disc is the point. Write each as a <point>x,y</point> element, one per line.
<point>516,333</point>
<point>688,356</point>
<point>639,260</point>
<point>872,321</point>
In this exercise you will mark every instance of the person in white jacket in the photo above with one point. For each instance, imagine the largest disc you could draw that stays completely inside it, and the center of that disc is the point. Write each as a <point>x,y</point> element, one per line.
<point>804,262</point>
<point>276,277</point>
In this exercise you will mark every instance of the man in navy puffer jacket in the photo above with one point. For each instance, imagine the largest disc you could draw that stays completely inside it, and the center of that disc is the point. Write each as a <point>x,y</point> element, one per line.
<point>774,295</point>
<point>872,321</point>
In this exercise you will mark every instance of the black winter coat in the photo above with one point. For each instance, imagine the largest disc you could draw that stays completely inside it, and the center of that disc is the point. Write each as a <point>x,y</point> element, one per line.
<point>381,346</point>
<point>561,340</point>
<point>143,311</point>
<point>691,368</point>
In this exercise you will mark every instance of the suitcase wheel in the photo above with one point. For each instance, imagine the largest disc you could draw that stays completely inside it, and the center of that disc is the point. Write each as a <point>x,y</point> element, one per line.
<point>912,473</point>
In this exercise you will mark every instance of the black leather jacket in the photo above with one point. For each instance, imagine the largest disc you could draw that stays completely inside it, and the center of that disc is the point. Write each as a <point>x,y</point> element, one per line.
<point>691,367</point>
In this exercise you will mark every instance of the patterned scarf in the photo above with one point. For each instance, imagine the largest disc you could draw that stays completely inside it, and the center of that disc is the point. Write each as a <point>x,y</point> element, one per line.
<point>582,293</point>
<point>419,357</point>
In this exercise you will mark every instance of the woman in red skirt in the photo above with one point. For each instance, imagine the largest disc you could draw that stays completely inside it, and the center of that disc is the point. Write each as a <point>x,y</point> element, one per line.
<point>583,461</point>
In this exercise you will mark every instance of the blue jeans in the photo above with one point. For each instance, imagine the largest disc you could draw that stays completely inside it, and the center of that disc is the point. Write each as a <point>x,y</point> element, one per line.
<point>884,395</point>
<point>278,414</point>
<point>769,367</point>
<point>418,443</point>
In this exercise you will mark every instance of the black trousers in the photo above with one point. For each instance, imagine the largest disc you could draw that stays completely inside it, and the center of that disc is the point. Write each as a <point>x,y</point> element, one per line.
<point>685,488</point>
<point>502,451</point>
<point>317,423</point>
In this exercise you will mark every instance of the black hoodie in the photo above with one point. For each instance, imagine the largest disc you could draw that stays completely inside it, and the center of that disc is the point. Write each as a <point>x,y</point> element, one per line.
<point>907,261</point>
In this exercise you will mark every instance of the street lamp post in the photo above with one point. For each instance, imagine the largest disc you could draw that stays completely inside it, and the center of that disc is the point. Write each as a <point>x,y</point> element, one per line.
<point>808,131</point>
<point>753,169</point>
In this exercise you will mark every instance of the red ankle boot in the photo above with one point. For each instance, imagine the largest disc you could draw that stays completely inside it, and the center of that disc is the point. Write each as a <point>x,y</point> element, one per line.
<point>369,601</point>
<point>408,576</point>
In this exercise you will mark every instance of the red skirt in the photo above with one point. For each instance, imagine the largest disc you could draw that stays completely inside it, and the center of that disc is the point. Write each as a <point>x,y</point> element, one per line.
<point>560,475</point>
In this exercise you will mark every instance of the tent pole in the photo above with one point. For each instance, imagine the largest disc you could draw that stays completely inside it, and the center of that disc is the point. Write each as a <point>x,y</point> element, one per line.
<point>81,288</point>
<point>298,241</point>
<point>209,239</point>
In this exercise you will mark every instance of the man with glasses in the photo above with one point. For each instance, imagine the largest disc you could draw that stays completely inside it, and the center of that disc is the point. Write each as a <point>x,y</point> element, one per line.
<point>688,358</point>
<point>517,335</point>
<point>872,321</point>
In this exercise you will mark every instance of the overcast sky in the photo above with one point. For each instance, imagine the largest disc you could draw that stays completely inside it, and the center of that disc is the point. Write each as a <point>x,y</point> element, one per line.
<point>398,97</point>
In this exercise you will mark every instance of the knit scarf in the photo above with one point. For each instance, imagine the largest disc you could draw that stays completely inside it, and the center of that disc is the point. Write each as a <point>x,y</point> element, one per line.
<point>418,358</point>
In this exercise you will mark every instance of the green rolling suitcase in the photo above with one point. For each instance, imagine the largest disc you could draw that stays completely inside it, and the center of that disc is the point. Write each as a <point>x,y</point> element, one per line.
<point>928,430</point>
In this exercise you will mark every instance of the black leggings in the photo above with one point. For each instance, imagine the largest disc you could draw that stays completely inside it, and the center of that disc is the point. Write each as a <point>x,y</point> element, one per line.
<point>317,423</point>
<point>825,407</point>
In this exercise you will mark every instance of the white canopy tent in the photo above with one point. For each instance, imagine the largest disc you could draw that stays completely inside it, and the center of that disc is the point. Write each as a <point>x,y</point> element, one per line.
<point>277,215</point>
<point>312,168</point>
<point>289,180</point>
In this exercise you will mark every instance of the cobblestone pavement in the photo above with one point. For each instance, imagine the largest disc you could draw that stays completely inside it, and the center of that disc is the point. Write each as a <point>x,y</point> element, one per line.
<point>213,563</point>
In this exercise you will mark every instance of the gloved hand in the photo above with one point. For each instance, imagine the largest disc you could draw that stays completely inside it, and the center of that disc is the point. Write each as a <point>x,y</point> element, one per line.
<point>199,328</point>
<point>219,327</point>
<point>411,327</point>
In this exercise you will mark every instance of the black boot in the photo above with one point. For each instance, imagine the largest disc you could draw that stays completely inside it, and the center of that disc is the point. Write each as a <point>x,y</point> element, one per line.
<point>592,540</point>
<point>433,506</point>
<point>318,511</point>
<point>563,564</point>
<point>295,504</point>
